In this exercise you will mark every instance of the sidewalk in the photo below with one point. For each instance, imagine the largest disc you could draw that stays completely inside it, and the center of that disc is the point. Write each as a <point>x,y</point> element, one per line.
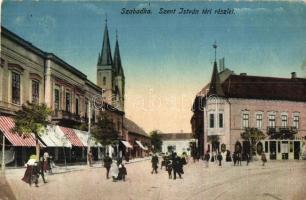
<point>60,169</point>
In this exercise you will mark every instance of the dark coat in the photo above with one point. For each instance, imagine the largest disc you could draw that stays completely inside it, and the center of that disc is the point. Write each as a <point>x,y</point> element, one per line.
<point>107,162</point>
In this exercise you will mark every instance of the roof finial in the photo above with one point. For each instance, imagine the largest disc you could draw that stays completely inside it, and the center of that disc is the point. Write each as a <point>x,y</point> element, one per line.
<point>106,18</point>
<point>215,47</point>
<point>116,34</point>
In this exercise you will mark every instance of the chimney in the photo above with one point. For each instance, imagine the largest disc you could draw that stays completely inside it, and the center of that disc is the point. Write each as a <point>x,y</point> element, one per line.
<point>293,74</point>
<point>243,74</point>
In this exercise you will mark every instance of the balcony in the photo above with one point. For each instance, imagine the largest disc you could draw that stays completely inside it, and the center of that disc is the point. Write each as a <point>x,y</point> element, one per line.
<point>281,132</point>
<point>61,114</point>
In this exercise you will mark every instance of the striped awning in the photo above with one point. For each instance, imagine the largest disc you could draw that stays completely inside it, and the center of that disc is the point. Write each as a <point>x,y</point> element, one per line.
<point>127,144</point>
<point>83,136</point>
<point>141,146</point>
<point>72,137</point>
<point>53,137</point>
<point>6,126</point>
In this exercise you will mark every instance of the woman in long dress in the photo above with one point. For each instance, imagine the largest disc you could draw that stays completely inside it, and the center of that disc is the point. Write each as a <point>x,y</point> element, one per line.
<point>114,170</point>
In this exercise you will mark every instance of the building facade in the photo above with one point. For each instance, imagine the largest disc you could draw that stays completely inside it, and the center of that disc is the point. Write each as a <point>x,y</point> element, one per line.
<point>275,106</point>
<point>177,142</point>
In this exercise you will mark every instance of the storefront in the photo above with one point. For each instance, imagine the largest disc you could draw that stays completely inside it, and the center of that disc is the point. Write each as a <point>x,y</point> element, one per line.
<point>281,149</point>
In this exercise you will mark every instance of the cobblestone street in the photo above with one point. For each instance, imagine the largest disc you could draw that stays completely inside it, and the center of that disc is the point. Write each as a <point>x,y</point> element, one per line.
<point>277,180</point>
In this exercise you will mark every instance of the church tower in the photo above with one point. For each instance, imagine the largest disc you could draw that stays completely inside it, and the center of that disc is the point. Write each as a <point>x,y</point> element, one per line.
<point>110,74</point>
<point>105,70</point>
<point>119,77</point>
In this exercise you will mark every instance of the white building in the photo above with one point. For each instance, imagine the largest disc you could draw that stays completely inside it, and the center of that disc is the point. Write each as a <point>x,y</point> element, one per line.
<point>177,142</point>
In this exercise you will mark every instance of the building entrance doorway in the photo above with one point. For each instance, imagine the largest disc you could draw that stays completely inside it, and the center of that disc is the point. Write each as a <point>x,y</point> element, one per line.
<point>272,150</point>
<point>297,150</point>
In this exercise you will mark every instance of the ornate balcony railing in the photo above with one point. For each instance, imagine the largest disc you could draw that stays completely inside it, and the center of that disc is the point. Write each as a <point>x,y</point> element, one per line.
<point>281,132</point>
<point>62,114</point>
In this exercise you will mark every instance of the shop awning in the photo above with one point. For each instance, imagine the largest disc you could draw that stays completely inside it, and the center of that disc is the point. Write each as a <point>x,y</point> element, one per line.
<point>83,136</point>
<point>126,144</point>
<point>72,137</point>
<point>141,146</point>
<point>53,137</point>
<point>6,126</point>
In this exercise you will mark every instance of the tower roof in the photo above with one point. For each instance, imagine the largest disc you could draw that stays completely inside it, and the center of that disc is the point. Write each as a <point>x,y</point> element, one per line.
<point>215,85</point>
<point>106,57</point>
<point>117,58</point>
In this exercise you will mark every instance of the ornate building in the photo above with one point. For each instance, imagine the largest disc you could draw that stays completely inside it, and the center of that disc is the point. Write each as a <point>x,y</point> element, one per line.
<point>110,74</point>
<point>231,103</point>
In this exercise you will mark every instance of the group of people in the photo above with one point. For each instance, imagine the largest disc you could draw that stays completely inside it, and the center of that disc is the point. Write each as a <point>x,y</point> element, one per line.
<point>172,163</point>
<point>115,167</point>
<point>37,167</point>
<point>236,158</point>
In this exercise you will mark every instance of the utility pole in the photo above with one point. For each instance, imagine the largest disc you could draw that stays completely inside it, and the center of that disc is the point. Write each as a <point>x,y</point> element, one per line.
<point>89,135</point>
<point>3,150</point>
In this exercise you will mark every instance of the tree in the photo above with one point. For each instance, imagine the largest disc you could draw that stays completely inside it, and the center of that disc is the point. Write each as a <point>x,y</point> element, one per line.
<point>252,135</point>
<point>32,118</point>
<point>104,131</point>
<point>156,141</point>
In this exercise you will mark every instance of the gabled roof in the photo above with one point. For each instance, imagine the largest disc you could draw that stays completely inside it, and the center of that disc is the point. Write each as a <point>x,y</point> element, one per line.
<point>132,127</point>
<point>105,58</point>
<point>270,88</point>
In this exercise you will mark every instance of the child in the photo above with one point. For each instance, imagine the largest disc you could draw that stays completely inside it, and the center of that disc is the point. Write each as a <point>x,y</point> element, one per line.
<point>122,172</point>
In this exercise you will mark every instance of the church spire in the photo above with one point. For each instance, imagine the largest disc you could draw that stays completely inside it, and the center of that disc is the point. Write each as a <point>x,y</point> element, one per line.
<point>215,84</point>
<point>106,57</point>
<point>117,58</point>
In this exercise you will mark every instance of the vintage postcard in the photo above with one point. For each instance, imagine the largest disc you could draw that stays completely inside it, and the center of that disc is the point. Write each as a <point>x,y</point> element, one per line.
<point>153,100</point>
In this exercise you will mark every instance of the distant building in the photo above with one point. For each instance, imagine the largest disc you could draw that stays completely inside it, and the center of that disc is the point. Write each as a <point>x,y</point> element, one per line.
<point>177,142</point>
<point>231,103</point>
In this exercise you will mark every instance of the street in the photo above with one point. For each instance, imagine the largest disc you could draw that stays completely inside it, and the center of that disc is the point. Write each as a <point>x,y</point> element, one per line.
<point>277,180</point>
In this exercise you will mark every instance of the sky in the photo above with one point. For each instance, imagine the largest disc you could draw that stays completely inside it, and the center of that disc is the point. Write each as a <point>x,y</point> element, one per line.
<point>167,58</point>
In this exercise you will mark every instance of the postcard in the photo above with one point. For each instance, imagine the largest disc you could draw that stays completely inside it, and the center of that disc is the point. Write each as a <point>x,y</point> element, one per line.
<point>153,100</point>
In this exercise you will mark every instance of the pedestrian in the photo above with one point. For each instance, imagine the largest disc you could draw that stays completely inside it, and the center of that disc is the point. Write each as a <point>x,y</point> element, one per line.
<point>176,166</point>
<point>239,158</point>
<point>263,158</point>
<point>89,157</point>
<point>114,170</point>
<point>169,167</point>
<point>41,168</point>
<point>122,172</point>
<point>212,157</point>
<point>206,158</point>
<point>154,161</point>
<point>163,162</point>
<point>247,157</point>
<point>219,158</point>
<point>30,174</point>
<point>235,158</point>
<point>107,164</point>
<point>46,165</point>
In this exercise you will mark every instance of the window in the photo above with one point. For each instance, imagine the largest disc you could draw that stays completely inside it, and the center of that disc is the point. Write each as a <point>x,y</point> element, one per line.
<point>211,120</point>
<point>284,120</point>
<point>77,106</point>
<point>104,80</point>
<point>259,121</point>
<point>266,146</point>
<point>68,101</point>
<point>296,121</point>
<point>272,121</point>
<point>15,88</point>
<point>245,120</point>
<point>56,99</point>
<point>35,91</point>
<point>220,120</point>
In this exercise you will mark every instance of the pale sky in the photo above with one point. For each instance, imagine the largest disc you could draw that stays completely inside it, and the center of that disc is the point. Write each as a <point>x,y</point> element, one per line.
<point>167,59</point>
